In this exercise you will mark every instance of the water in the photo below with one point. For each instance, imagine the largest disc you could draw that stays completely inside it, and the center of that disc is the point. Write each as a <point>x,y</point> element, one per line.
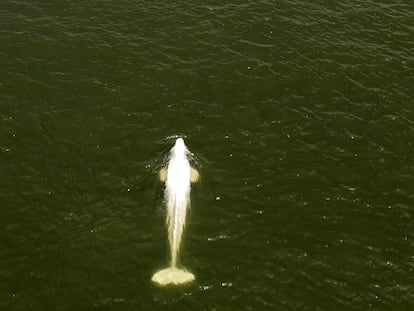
<point>301,120</point>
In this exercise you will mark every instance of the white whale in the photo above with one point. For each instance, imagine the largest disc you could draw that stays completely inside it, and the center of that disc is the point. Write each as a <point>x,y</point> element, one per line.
<point>178,177</point>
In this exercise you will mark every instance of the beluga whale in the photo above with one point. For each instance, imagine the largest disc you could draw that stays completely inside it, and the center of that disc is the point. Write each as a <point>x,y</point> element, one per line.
<point>178,176</point>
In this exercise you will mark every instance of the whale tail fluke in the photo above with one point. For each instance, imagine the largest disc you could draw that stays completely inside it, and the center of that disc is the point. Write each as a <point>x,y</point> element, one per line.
<point>172,275</point>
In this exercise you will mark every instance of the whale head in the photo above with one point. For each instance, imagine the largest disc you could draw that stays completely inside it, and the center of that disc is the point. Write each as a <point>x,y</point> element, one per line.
<point>179,148</point>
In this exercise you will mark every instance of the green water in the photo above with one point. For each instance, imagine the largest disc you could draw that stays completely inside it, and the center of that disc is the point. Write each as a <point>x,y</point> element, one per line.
<point>300,117</point>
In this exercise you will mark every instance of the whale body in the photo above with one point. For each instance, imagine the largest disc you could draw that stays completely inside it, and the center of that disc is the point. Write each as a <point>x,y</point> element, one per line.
<point>178,177</point>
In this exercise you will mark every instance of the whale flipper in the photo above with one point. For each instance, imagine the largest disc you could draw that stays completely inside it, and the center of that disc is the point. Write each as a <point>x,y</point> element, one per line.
<point>163,174</point>
<point>194,175</point>
<point>173,275</point>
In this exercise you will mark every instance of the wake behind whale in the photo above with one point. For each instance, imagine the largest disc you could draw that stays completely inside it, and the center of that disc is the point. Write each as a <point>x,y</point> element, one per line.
<point>178,177</point>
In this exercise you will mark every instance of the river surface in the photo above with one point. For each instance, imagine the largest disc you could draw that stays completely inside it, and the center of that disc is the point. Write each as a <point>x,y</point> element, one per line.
<point>300,115</point>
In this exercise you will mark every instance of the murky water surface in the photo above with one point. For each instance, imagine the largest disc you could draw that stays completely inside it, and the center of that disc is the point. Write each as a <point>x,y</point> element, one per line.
<point>300,116</point>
